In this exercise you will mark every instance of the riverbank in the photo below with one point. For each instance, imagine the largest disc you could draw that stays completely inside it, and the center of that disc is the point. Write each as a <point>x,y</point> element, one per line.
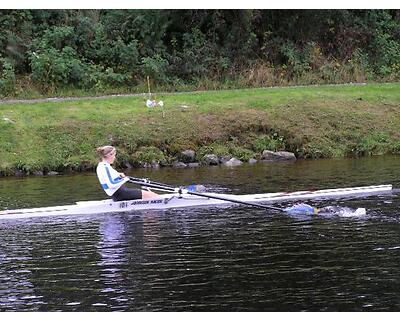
<point>311,122</point>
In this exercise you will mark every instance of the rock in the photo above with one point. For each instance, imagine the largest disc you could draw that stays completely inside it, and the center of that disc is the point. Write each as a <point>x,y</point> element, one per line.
<point>178,164</point>
<point>38,173</point>
<point>52,173</point>
<point>110,138</point>
<point>187,156</point>
<point>224,159</point>
<point>233,162</point>
<point>210,160</point>
<point>164,163</point>
<point>155,165</point>
<point>193,164</point>
<point>8,120</point>
<point>127,165</point>
<point>19,173</point>
<point>252,161</point>
<point>268,155</point>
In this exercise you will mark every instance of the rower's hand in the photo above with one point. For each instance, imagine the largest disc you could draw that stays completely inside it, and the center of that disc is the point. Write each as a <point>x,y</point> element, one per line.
<point>122,175</point>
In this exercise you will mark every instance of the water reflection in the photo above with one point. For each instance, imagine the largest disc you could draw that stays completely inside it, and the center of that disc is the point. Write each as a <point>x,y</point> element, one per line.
<point>16,290</point>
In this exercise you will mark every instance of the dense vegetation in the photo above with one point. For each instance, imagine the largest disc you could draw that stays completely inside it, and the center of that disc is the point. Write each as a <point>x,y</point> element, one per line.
<point>47,52</point>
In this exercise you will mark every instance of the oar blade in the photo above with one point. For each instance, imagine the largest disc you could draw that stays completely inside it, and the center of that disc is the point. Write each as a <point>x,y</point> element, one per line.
<point>196,188</point>
<point>301,208</point>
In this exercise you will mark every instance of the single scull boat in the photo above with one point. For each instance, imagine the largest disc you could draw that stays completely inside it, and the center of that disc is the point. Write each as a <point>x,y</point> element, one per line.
<point>185,199</point>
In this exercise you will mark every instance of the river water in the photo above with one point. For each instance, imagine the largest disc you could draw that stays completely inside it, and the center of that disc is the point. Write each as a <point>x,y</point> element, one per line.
<point>206,259</point>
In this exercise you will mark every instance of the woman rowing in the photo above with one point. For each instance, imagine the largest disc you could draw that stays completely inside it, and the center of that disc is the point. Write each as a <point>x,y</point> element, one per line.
<point>113,182</point>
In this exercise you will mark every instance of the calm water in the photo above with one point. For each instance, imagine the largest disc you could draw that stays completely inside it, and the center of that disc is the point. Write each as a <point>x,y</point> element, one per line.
<point>213,259</point>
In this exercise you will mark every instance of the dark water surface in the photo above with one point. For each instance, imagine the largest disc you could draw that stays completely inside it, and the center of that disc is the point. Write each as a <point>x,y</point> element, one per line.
<point>205,259</point>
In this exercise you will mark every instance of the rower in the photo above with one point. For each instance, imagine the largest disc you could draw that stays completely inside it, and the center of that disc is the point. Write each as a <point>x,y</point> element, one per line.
<point>113,182</point>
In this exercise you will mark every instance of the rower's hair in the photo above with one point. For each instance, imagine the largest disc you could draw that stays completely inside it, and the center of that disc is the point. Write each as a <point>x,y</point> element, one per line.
<point>105,151</point>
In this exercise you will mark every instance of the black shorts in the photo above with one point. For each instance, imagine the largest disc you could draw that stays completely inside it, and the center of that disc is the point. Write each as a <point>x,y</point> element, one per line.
<point>124,193</point>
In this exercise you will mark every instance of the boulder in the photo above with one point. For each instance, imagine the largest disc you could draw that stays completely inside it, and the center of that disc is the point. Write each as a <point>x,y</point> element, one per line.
<point>210,160</point>
<point>193,164</point>
<point>164,163</point>
<point>155,165</point>
<point>187,156</point>
<point>252,161</point>
<point>52,173</point>
<point>178,164</point>
<point>127,165</point>
<point>233,162</point>
<point>224,159</point>
<point>268,155</point>
<point>37,173</point>
<point>19,173</point>
<point>145,165</point>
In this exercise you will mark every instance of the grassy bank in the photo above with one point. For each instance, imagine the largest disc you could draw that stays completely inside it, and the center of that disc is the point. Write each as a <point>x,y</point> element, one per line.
<point>313,122</point>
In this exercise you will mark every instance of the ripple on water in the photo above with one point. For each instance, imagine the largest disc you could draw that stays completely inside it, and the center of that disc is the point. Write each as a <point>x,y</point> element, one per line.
<point>209,259</point>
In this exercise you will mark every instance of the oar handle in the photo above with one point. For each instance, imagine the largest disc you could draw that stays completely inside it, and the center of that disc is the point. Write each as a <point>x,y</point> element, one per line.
<point>144,180</point>
<point>166,187</point>
<point>150,184</point>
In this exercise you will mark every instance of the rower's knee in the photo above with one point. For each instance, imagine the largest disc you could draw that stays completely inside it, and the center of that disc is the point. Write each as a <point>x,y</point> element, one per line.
<point>149,195</point>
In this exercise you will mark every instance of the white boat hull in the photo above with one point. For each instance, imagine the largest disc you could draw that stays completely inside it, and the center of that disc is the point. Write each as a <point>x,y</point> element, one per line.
<point>170,201</point>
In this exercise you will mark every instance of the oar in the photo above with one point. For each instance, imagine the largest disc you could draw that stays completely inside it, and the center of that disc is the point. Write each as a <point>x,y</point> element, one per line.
<point>163,186</point>
<point>166,187</point>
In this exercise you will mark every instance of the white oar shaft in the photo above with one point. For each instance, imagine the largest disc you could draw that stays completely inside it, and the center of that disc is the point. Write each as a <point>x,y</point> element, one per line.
<point>165,187</point>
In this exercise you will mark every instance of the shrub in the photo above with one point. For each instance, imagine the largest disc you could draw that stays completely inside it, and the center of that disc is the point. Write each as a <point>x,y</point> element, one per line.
<point>7,78</point>
<point>242,154</point>
<point>155,67</point>
<point>273,142</point>
<point>375,144</point>
<point>52,68</point>
<point>146,155</point>
<point>215,148</point>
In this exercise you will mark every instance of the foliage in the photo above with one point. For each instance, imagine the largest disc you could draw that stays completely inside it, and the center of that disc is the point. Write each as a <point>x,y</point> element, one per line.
<point>273,142</point>
<point>218,149</point>
<point>205,49</point>
<point>146,155</point>
<point>7,78</point>
<point>242,153</point>
<point>155,67</point>
<point>372,144</point>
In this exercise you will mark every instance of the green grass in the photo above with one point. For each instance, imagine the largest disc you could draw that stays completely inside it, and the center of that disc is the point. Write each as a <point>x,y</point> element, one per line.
<point>324,121</point>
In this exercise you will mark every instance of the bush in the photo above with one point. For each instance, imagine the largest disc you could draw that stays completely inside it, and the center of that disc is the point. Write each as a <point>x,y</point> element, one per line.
<point>296,59</point>
<point>52,68</point>
<point>98,49</point>
<point>7,78</point>
<point>146,155</point>
<point>215,148</point>
<point>272,142</point>
<point>242,154</point>
<point>376,144</point>
<point>155,67</point>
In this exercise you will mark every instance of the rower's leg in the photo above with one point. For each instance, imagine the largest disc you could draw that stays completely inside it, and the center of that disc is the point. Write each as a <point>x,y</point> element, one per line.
<point>149,195</point>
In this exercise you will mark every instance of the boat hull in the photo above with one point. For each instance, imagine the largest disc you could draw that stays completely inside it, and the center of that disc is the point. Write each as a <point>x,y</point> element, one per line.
<point>170,201</point>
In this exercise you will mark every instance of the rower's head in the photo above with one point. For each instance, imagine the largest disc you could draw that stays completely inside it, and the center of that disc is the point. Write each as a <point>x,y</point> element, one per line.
<point>107,153</point>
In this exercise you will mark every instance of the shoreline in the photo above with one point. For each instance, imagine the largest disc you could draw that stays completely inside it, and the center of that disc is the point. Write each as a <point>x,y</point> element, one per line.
<point>309,122</point>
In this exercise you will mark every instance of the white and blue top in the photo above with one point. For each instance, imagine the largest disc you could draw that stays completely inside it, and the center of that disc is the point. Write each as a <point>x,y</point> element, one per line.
<point>109,178</point>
